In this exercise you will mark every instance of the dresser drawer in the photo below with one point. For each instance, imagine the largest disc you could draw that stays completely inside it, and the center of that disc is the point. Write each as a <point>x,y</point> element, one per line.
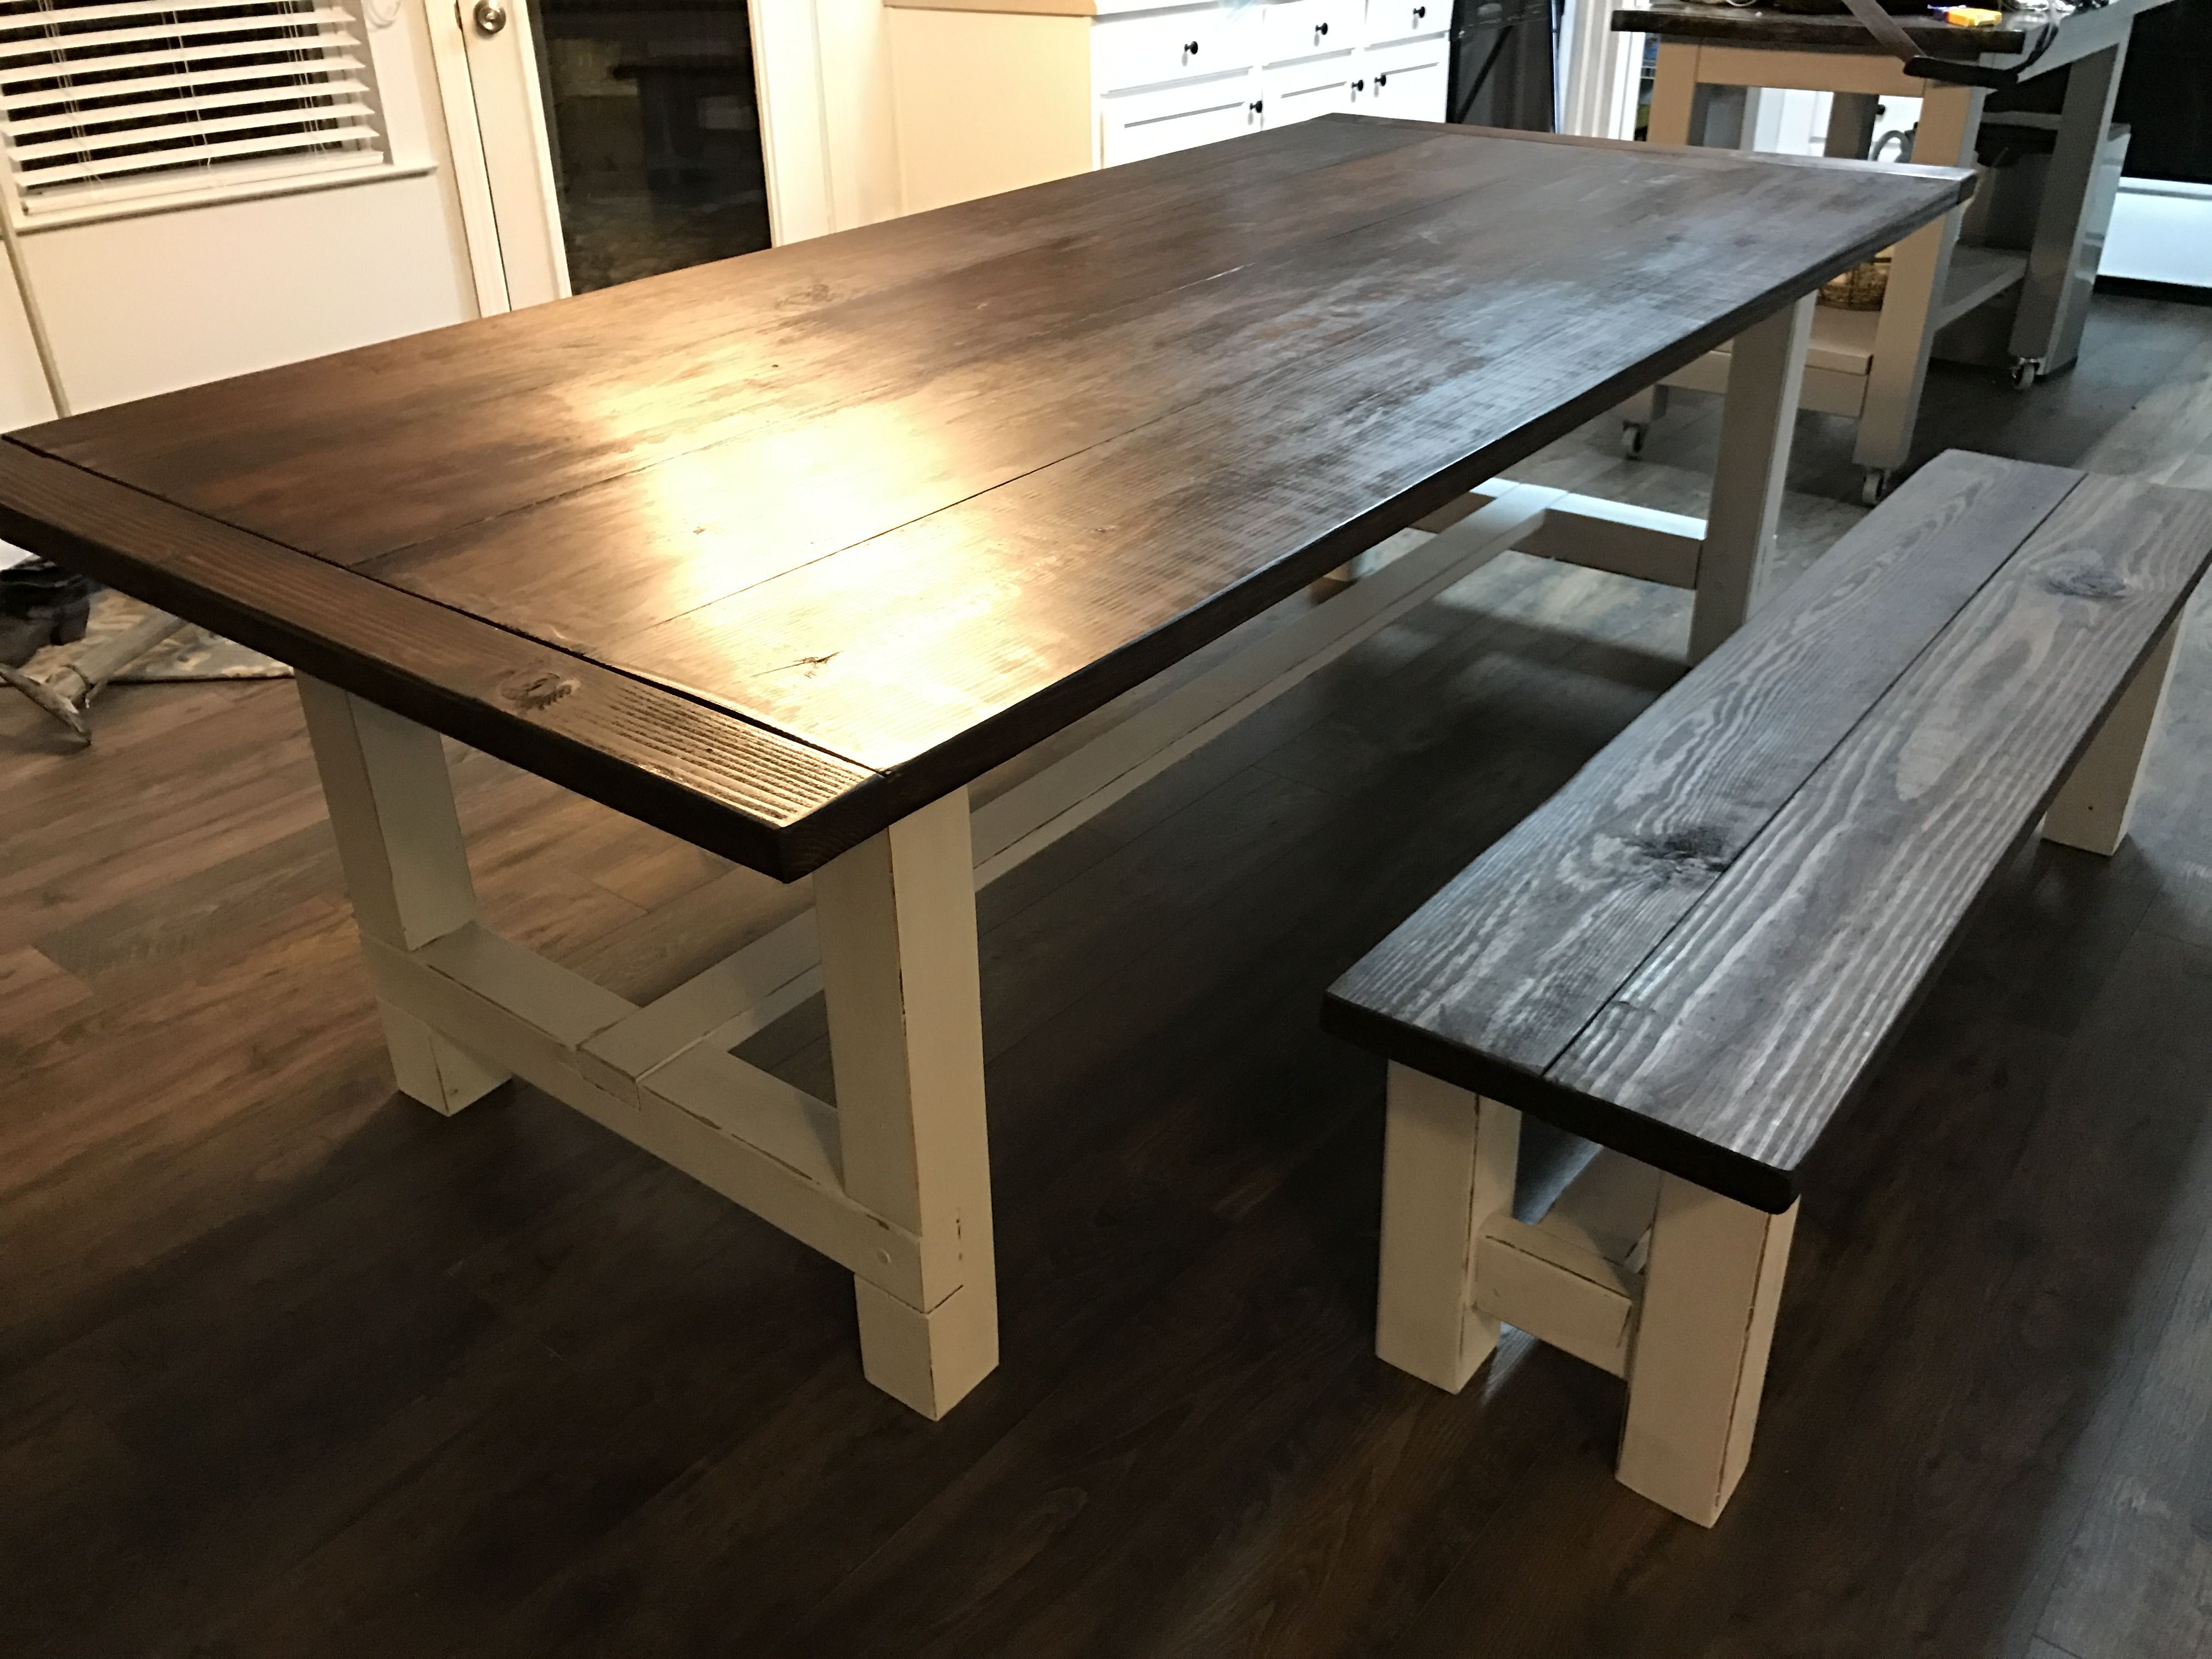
<point>1314,86</point>
<point>1155,47</point>
<point>1400,20</point>
<point>1303,28</point>
<point>1137,125</point>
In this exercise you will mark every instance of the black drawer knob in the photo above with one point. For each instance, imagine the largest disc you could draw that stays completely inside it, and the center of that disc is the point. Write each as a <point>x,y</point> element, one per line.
<point>1321,31</point>
<point>1419,12</point>
<point>1381,81</point>
<point>1259,105</point>
<point>1190,50</point>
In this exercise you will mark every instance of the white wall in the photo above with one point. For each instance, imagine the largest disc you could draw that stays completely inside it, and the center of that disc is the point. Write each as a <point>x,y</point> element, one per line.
<point>24,396</point>
<point>134,306</point>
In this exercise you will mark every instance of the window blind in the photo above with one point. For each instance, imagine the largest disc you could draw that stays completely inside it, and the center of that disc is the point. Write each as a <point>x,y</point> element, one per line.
<point>102,97</point>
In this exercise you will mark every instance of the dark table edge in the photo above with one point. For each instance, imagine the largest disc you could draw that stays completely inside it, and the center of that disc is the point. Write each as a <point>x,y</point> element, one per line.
<point>1646,1139</point>
<point>785,851</point>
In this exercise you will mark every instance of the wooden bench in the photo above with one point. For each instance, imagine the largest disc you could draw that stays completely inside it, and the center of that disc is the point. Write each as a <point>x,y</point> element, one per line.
<point>1696,953</point>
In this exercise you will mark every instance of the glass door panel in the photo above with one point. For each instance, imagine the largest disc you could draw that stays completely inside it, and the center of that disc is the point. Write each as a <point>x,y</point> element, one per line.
<point>652,122</point>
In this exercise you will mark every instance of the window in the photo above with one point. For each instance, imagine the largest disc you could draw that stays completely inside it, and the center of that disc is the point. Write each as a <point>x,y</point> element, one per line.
<point>104,101</point>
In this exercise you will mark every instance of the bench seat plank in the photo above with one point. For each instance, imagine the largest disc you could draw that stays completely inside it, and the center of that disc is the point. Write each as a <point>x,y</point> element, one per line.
<point>1783,983</point>
<point>1522,948</point>
<point>1534,976</point>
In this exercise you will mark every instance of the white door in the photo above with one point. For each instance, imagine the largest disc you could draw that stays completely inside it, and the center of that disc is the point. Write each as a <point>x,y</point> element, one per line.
<point>618,140</point>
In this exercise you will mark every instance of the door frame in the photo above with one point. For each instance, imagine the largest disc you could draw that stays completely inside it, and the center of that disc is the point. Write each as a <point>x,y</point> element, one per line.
<point>1599,71</point>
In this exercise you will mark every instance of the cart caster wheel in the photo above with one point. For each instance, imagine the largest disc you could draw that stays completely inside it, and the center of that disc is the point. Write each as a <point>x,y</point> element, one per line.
<point>1873,486</point>
<point>2024,374</point>
<point>1632,434</point>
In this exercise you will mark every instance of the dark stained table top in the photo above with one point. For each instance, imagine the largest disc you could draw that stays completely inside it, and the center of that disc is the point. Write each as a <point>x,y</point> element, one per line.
<point>1836,31</point>
<point>772,551</point>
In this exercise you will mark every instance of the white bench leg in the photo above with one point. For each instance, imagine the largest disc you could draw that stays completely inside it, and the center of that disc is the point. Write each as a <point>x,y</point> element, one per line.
<point>2092,807</point>
<point>390,803</point>
<point>1449,1158</point>
<point>896,916</point>
<point>1711,1290</point>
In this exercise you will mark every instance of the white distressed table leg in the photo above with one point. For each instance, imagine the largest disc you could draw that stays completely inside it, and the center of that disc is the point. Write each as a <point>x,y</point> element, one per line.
<point>1919,267</point>
<point>1711,1290</point>
<point>2092,807</point>
<point>1674,98</point>
<point>1449,1158</point>
<point>898,921</point>
<point>391,803</point>
<point>1766,368</point>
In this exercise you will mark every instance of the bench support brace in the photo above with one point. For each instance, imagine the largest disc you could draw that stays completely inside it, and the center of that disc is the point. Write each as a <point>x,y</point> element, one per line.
<point>1644,1275</point>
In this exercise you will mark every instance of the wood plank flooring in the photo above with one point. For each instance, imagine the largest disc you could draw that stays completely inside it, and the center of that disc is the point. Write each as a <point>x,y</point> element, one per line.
<point>289,1367</point>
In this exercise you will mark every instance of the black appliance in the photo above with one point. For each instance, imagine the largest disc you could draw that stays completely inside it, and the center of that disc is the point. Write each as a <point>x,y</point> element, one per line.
<point>1501,73</point>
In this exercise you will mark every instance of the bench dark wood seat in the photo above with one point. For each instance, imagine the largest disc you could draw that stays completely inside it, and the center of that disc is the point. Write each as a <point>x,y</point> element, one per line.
<point>1696,953</point>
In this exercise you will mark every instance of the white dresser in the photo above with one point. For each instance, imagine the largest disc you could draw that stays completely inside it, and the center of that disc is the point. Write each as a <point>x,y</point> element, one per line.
<point>993,95</point>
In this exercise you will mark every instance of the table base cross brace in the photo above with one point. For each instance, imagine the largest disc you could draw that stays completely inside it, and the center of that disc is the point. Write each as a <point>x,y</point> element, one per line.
<point>894,1183</point>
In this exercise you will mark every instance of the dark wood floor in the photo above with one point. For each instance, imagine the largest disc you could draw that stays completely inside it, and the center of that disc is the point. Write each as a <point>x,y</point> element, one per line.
<point>290,1367</point>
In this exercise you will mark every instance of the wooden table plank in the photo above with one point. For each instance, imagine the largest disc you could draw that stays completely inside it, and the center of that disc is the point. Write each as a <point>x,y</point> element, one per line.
<point>1535,937</point>
<point>1936,786</point>
<point>1420,361</point>
<point>1174,315</point>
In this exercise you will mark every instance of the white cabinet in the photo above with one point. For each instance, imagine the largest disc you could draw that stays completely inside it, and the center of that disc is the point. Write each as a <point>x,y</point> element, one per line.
<point>993,95</point>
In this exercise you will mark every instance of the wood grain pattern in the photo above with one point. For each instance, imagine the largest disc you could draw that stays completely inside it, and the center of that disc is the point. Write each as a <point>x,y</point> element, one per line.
<point>1377,378</point>
<point>917,496</point>
<point>1829,31</point>
<point>1754,1024</point>
<point>1587,885</point>
<point>1695,952</point>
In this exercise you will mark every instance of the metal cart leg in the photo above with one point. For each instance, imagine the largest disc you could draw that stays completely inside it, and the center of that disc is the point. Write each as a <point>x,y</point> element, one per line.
<point>2047,330</point>
<point>1918,271</point>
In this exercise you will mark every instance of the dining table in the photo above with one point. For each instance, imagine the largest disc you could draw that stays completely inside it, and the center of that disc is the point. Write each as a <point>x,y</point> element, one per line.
<point>882,560</point>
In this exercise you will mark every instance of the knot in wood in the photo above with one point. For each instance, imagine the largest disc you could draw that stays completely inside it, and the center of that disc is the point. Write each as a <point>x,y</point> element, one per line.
<point>536,688</point>
<point>1699,850</point>
<point>2086,582</point>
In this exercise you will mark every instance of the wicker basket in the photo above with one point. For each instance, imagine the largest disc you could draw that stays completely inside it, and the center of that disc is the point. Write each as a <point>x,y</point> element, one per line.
<point>1861,287</point>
